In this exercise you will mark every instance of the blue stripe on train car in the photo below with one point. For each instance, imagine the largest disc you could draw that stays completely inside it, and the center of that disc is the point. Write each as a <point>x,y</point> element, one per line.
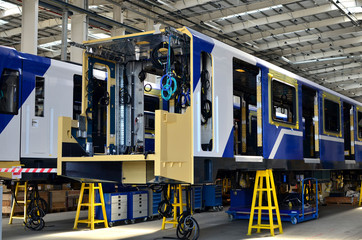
<point>29,66</point>
<point>201,42</point>
<point>229,148</point>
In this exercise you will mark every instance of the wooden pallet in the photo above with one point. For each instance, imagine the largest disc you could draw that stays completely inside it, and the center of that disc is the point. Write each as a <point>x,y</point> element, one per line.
<point>341,200</point>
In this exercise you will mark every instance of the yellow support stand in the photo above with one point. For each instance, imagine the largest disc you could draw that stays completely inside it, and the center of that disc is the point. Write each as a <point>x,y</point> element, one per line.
<point>177,204</point>
<point>259,189</point>
<point>24,202</point>
<point>91,206</point>
<point>360,195</point>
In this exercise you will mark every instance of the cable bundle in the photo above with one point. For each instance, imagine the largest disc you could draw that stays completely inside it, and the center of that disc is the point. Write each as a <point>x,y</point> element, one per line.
<point>36,211</point>
<point>187,227</point>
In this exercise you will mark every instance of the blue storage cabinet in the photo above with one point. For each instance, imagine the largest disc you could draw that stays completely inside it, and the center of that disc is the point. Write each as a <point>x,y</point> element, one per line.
<point>154,199</point>
<point>116,207</point>
<point>196,196</point>
<point>137,205</point>
<point>240,198</point>
<point>212,196</point>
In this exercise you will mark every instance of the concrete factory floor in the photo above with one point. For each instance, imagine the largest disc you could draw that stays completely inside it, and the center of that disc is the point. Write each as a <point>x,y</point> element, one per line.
<point>335,222</point>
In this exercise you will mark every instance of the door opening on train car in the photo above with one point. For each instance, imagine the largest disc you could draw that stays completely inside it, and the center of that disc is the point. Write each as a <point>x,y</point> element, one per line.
<point>308,102</point>
<point>100,100</point>
<point>347,108</point>
<point>245,108</point>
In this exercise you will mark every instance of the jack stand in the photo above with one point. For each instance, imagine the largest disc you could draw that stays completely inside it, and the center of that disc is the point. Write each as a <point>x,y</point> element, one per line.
<point>15,201</point>
<point>91,206</point>
<point>270,190</point>
<point>176,205</point>
<point>360,195</point>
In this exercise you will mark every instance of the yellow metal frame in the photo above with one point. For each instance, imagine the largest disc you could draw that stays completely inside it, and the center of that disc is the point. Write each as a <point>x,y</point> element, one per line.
<point>316,123</point>
<point>335,99</point>
<point>358,111</point>
<point>270,190</point>
<point>259,112</point>
<point>360,195</point>
<point>91,206</point>
<point>176,205</point>
<point>171,160</point>
<point>110,82</point>
<point>24,202</point>
<point>351,118</point>
<point>276,76</point>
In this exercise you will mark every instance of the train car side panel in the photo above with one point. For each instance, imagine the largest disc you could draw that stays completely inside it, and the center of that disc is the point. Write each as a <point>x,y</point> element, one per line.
<point>10,103</point>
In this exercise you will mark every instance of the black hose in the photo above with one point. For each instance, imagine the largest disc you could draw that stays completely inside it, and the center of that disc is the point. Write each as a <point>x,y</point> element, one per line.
<point>160,62</point>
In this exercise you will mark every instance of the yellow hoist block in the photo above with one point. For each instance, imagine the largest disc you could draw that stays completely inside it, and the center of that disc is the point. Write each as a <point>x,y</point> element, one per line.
<point>91,204</point>
<point>259,189</point>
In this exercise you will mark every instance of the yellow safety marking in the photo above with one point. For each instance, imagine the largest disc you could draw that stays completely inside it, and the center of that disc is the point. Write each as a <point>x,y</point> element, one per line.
<point>259,112</point>
<point>336,100</point>
<point>351,115</point>
<point>276,76</point>
<point>316,123</point>
<point>243,125</point>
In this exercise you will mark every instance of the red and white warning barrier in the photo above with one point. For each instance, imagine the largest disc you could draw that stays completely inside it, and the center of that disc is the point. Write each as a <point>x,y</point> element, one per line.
<point>28,170</point>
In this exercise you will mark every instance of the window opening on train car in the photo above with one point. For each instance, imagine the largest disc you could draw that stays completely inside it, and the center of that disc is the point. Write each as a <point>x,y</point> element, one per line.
<point>206,101</point>
<point>9,92</point>
<point>331,116</point>
<point>39,96</point>
<point>283,102</point>
<point>359,123</point>
<point>77,96</point>
<point>244,107</point>
<point>347,130</point>
<point>308,97</point>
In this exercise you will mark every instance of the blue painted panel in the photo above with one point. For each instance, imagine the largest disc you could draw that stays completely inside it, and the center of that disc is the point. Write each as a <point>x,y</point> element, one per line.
<point>331,151</point>
<point>291,147</point>
<point>358,151</point>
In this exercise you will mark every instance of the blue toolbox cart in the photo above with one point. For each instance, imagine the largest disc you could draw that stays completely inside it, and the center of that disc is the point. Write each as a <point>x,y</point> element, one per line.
<point>196,196</point>
<point>295,213</point>
<point>212,196</point>
<point>154,198</point>
<point>116,207</point>
<point>137,205</point>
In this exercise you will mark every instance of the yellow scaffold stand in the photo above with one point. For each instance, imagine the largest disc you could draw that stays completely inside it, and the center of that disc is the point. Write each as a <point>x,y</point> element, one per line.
<point>259,189</point>
<point>24,202</point>
<point>176,205</point>
<point>91,204</point>
<point>360,195</point>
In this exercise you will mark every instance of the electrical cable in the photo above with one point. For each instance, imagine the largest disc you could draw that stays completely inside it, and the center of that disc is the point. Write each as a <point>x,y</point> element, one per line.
<point>36,211</point>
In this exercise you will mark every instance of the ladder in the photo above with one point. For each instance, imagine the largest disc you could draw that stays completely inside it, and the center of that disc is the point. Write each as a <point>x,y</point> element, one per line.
<point>177,205</point>
<point>91,204</point>
<point>23,202</point>
<point>259,189</point>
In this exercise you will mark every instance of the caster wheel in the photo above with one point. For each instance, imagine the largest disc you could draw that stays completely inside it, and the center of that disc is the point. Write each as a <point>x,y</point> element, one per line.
<point>231,217</point>
<point>215,208</point>
<point>294,220</point>
<point>221,208</point>
<point>133,221</point>
<point>126,222</point>
<point>150,217</point>
<point>145,219</point>
<point>110,224</point>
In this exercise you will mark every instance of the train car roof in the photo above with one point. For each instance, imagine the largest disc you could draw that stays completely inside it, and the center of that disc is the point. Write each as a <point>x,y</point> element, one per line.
<point>255,60</point>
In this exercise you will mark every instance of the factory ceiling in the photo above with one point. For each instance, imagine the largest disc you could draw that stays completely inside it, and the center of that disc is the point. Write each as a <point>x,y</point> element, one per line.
<point>317,39</point>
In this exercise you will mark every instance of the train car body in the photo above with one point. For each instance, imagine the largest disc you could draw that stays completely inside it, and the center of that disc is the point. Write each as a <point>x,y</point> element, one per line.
<point>34,92</point>
<point>231,111</point>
